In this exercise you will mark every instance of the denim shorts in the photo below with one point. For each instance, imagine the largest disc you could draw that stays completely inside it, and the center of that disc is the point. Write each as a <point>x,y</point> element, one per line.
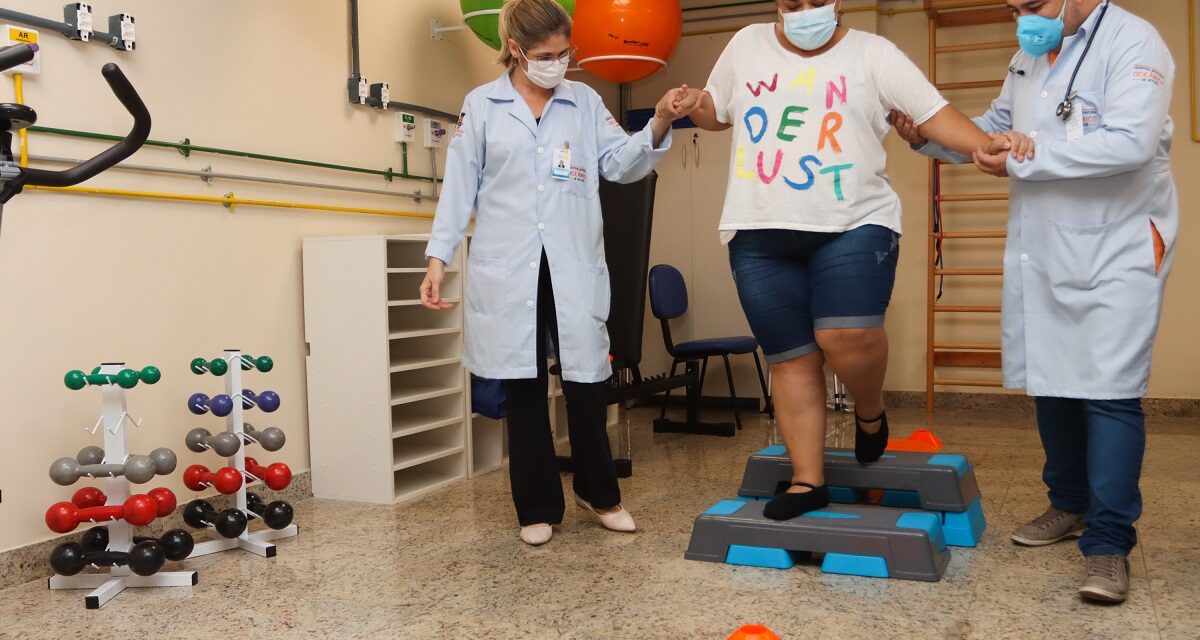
<point>792,283</point>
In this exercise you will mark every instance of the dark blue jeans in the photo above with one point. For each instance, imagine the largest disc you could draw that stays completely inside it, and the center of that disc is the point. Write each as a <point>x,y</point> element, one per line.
<point>1093,463</point>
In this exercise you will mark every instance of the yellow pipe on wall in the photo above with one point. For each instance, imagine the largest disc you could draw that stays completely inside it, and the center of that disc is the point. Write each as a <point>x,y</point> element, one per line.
<point>230,201</point>
<point>19,94</point>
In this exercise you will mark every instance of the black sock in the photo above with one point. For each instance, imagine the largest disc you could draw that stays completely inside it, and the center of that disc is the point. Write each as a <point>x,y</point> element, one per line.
<point>786,506</point>
<point>869,447</point>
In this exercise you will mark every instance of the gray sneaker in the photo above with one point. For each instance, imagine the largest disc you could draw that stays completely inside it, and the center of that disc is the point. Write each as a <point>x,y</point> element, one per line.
<point>1048,528</point>
<point>1107,579</point>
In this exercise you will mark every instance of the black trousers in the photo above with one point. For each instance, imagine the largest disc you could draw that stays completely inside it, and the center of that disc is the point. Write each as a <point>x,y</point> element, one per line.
<point>533,465</point>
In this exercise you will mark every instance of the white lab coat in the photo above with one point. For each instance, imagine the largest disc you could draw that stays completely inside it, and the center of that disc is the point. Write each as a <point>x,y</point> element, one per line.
<point>1082,299</point>
<point>499,165</point>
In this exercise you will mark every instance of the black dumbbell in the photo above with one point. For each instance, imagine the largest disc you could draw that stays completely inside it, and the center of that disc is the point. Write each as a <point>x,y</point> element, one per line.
<point>230,523</point>
<point>177,544</point>
<point>276,515</point>
<point>144,559</point>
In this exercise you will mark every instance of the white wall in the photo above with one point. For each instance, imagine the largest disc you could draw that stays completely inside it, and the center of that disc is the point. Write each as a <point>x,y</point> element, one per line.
<point>88,279</point>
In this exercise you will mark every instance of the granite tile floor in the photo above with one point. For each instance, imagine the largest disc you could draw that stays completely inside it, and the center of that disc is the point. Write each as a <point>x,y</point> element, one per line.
<point>450,565</point>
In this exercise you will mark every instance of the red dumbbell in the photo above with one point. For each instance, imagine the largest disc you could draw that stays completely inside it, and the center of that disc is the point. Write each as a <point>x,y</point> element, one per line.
<point>277,476</point>
<point>227,480</point>
<point>138,510</point>
<point>91,497</point>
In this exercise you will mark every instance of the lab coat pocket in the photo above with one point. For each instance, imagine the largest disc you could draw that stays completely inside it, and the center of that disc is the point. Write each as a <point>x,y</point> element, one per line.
<point>1077,255</point>
<point>583,181</point>
<point>486,283</point>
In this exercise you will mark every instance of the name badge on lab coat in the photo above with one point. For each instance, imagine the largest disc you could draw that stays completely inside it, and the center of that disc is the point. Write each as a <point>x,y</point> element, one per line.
<point>562,163</point>
<point>1075,123</point>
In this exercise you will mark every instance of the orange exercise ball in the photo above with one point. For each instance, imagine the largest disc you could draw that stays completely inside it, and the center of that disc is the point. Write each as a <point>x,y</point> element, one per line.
<point>626,40</point>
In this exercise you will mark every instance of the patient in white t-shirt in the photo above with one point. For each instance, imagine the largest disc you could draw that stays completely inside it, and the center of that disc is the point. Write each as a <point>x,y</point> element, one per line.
<point>810,216</point>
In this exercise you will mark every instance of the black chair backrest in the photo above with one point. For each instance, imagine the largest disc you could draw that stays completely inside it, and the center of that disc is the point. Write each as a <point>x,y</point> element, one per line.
<point>628,217</point>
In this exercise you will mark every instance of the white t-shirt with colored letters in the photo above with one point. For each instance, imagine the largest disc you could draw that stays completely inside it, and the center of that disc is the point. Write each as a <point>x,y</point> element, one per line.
<point>807,150</point>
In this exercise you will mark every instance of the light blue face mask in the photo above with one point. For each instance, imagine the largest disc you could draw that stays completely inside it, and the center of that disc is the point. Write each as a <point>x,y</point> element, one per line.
<point>1038,35</point>
<point>811,29</point>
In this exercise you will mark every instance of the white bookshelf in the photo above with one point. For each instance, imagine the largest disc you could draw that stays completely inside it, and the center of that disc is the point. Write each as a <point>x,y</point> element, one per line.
<point>387,393</point>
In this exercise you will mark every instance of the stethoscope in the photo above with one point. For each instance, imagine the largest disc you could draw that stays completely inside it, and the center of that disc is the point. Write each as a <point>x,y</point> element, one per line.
<point>1068,104</point>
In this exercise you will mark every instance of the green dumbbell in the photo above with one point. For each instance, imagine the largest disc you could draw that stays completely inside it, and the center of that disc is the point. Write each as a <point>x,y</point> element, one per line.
<point>126,378</point>
<point>262,363</point>
<point>216,366</point>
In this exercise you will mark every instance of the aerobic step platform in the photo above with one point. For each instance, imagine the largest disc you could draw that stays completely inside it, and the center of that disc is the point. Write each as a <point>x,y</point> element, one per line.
<point>938,482</point>
<point>857,541</point>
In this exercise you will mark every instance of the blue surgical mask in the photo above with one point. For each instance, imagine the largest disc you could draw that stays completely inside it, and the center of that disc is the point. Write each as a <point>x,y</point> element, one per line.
<point>810,29</point>
<point>1038,35</point>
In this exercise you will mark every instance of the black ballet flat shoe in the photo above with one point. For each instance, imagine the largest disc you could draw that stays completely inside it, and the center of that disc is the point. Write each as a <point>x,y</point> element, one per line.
<point>869,447</point>
<point>786,506</point>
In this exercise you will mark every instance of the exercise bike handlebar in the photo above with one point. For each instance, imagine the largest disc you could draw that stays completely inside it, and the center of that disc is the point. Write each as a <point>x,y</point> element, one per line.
<point>126,147</point>
<point>16,55</point>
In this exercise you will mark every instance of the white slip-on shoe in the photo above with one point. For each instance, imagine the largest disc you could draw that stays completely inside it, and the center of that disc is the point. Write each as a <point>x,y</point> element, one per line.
<point>537,534</point>
<point>620,520</point>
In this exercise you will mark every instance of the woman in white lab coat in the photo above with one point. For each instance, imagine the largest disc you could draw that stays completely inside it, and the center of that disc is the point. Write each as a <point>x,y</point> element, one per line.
<point>527,156</point>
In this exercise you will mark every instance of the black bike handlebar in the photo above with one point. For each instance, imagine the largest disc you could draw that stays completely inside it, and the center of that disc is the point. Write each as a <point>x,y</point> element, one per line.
<point>137,137</point>
<point>16,55</point>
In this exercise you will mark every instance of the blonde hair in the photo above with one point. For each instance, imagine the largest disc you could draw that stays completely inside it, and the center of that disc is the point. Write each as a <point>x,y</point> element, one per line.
<point>529,23</point>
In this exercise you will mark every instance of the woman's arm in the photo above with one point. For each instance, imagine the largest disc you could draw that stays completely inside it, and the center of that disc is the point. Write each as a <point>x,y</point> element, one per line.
<point>952,130</point>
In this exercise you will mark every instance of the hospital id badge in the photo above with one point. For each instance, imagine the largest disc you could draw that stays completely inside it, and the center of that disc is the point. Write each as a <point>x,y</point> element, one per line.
<point>562,163</point>
<point>1075,124</point>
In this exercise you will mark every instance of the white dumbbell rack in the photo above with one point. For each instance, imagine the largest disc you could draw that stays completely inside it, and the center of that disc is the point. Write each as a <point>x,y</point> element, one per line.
<point>106,586</point>
<point>258,542</point>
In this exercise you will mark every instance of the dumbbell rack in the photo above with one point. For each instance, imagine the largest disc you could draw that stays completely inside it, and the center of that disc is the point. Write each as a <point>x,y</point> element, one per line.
<point>106,586</point>
<point>258,542</point>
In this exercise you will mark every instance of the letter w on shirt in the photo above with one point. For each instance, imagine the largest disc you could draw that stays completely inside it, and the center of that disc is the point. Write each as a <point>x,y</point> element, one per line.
<point>757,90</point>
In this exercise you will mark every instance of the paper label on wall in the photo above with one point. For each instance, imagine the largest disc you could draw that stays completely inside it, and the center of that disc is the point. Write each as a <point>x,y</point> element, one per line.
<point>20,35</point>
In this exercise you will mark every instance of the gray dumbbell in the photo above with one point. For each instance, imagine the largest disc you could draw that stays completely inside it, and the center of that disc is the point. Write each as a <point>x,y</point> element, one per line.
<point>200,440</point>
<point>271,438</point>
<point>137,469</point>
<point>90,455</point>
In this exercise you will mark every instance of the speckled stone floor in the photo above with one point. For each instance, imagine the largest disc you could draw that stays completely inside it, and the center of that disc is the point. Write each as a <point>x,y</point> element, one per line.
<point>451,565</point>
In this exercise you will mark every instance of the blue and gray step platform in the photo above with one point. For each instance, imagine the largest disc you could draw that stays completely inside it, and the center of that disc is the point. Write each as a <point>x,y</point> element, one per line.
<point>943,484</point>
<point>855,540</point>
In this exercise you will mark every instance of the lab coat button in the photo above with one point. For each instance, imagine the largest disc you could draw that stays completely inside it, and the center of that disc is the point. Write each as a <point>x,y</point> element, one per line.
<point>1032,134</point>
<point>542,150</point>
<point>1045,94</point>
<point>541,226</point>
<point>541,188</point>
<point>1024,257</point>
<point>532,265</point>
<point>529,303</point>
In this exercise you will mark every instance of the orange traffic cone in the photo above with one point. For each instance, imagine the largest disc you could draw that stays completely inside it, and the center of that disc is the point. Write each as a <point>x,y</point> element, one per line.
<point>753,632</point>
<point>921,440</point>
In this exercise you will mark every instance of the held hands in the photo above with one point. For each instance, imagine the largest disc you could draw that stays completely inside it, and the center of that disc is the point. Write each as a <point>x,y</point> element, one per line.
<point>678,103</point>
<point>993,160</point>
<point>431,288</point>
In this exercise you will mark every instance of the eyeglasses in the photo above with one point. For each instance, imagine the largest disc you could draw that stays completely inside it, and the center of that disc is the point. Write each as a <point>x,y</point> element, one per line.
<point>547,61</point>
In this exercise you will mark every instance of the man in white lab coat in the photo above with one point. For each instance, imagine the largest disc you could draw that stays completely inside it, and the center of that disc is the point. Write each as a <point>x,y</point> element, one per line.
<point>1092,227</point>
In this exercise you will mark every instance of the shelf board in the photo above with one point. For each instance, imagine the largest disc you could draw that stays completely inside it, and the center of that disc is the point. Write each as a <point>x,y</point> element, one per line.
<point>413,364</point>
<point>417,303</point>
<point>422,333</point>
<point>422,424</point>
<point>432,483</point>
<point>416,270</point>
<point>416,394</point>
<point>426,453</point>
